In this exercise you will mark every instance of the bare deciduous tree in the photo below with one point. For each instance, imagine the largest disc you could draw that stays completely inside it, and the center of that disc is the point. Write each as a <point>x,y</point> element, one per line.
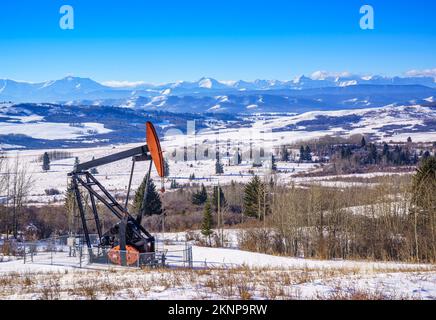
<point>16,183</point>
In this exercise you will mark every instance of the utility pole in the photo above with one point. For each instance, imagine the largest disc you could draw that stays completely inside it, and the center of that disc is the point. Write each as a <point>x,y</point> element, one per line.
<point>264,203</point>
<point>219,207</point>
<point>228,152</point>
<point>220,219</point>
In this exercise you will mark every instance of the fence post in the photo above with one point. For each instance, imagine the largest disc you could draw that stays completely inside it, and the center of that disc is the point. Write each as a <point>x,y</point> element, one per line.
<point>185,255</point>
<point>24,253</point>
<point>137,260</point>
<point>80,256</point>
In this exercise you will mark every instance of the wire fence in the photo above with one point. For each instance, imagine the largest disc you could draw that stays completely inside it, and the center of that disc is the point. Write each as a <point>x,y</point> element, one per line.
<point>73,252</point>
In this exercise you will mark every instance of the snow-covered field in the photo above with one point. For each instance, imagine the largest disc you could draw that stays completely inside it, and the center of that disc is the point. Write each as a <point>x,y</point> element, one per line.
<point>115,176</point>
<point>221,274</point>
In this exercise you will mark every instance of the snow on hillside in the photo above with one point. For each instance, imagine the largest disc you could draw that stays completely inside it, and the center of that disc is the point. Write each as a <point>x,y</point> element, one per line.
<point>51,130</point>
<point>269,130</point>
<point>416,136</point>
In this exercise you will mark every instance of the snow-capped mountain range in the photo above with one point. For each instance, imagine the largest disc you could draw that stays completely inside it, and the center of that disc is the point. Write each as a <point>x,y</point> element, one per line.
<point>320,91</point>
<point>70,88</point>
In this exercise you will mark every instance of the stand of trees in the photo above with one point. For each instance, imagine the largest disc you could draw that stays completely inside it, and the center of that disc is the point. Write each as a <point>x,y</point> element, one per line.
<point>395,220</point>
<point>15,184</point>
<point>424,210</point>
<point>305,154</point>
<point>354,158</point>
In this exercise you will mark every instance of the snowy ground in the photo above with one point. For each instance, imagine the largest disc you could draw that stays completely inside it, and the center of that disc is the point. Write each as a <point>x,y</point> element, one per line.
<point>289,279</point>
<point>220,274</point>
<point>115,176</point>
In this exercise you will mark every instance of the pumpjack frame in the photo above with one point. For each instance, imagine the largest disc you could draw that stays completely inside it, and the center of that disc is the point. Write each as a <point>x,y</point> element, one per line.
<point>128,232</point>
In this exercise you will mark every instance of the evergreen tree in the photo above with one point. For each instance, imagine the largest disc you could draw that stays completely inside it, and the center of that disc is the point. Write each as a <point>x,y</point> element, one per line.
<point>206,226</point>
<point>386,154</point>
<point>254,198</point>
<point>363,142</point>
<point>373,155</point>
<point>395,156</point>
<point>415,158</point>
<point>166,168</point>
<point>185,153</point>
<point>426,155</point>
<point>76,161</point>
<point>273,163</point>
<point>200,196</point>
<point>46,162</point>
<point>308,154</point>
<point>153,204</point>
<point>385,149</point>
<point>219,168</point>
<point>174,184</point>
<point>302,154</point>
<point>284,154</point>
<point>346,152</point>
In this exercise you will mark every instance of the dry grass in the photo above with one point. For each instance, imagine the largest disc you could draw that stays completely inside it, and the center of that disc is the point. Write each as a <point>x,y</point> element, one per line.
<point>241,283</point>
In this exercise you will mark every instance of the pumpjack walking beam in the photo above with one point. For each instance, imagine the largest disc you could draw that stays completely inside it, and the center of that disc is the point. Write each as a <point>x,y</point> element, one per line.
<point>139,151</point>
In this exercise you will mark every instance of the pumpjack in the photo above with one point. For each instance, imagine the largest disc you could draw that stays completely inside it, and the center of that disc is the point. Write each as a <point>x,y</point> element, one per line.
<point>127,242</point>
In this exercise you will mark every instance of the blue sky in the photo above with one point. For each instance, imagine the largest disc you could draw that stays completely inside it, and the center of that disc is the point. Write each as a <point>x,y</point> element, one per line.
<point>162,41</point>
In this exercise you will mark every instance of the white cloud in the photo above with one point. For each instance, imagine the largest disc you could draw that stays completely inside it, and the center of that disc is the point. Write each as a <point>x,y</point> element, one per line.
<point>322,75</point>
<point>422,73</point>
<point>123,84</point>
